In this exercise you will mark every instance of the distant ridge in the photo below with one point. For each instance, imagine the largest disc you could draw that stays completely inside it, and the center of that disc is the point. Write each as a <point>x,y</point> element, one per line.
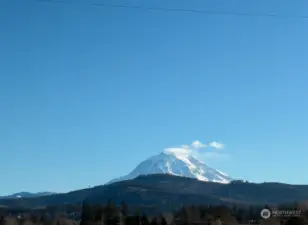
<point>26,195</point>
<point>150,190</point>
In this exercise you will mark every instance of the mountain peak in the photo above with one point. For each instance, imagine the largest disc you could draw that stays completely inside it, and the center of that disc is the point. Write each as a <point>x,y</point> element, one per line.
<point>178,165</point>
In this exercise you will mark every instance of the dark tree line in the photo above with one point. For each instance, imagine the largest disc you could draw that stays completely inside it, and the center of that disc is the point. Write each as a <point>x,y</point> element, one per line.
<point>111,214</point>
<point>189,215</point>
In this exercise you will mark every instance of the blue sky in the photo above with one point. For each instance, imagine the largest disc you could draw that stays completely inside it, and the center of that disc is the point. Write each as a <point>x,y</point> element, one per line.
<point>87,92</point>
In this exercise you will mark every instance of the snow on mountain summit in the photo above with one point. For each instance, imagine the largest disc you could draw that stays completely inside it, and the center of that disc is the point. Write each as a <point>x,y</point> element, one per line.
<point>178,165</point>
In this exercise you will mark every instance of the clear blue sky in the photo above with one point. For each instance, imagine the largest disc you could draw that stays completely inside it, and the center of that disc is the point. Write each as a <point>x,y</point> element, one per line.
<point>87,92</point>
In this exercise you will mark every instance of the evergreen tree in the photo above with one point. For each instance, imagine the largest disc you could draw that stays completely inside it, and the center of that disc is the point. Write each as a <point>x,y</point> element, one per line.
<point>86,214</point>
<point>98,213</point>
<point>124,208</point>
<point>111,216</point>
<point>2,220</point>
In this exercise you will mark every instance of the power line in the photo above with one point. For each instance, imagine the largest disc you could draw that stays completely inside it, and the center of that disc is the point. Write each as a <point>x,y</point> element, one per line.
<point>179,10</point>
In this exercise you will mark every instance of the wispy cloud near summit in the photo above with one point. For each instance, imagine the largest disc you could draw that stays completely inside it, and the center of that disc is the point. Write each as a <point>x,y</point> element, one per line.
<point>197,144</point>
<point>216,145</point>
<point>198,149</point>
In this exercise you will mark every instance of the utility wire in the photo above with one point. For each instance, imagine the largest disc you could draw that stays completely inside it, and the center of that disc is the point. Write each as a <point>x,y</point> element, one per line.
<point>208,12</point>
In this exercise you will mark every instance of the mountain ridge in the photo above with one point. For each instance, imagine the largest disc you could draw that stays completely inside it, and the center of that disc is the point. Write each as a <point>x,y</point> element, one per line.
<point>165,191</point>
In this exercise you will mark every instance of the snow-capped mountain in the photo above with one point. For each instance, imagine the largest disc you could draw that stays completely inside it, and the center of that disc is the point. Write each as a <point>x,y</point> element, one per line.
<point>178,165</point>
<point>26,195</point>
